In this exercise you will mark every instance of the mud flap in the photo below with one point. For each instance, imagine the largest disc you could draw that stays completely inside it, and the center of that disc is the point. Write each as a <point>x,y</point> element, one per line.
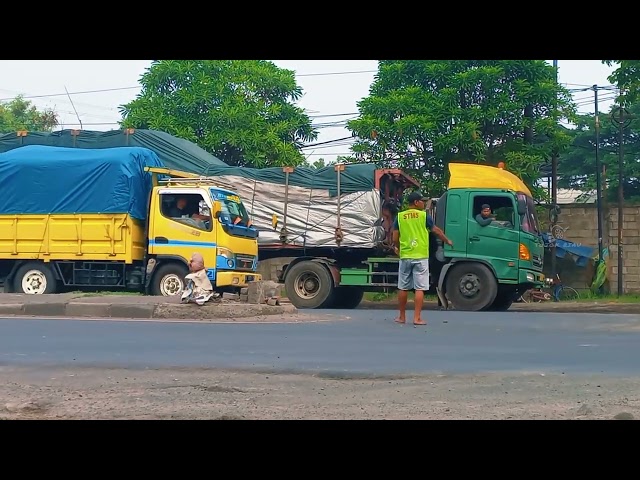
<point>443,299</point>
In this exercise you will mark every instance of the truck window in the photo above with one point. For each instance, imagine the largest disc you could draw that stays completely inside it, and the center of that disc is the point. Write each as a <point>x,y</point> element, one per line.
<point>185,209</point>
<point>235,210</point>
<point>232,210</point>
<point>529,221</point>
<point>502,208</point>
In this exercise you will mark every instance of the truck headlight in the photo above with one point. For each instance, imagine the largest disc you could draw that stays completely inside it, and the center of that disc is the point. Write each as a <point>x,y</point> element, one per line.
<point>226,253</point>
<point>530,277</point>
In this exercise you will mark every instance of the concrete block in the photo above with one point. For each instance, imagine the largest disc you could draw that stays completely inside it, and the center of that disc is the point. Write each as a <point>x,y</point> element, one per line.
<point>630,278</point>
<point>259,292</point>
<point>244,291</point>
<point>12,309</point>
<point>573,211</point>
<point>230,296</point>
<point>45,309</point>
<point>244,298</point>
<point>132,311</point>
<point>95,310</point>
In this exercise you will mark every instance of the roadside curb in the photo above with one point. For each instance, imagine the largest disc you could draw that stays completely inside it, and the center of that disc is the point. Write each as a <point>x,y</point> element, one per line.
<point>545,307</point>
<point>80,309</point>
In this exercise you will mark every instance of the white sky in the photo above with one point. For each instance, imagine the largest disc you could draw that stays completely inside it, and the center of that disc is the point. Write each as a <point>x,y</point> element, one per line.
<point>331,88</point>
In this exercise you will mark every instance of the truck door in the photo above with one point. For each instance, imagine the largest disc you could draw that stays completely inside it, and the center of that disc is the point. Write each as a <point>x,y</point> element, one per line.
<point>499,242</point>
<point>176,229</point>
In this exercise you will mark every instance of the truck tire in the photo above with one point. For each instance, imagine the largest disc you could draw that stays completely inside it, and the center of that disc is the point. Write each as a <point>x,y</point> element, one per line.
<point>35,278</point>
<point>309,285</point>
<point>471,287</point>
<point>168,279</point>
<point>347,297</point>
<point>504,300</point>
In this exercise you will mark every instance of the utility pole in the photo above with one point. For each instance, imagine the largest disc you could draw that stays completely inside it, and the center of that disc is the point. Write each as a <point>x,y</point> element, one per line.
<point>620,116</point>
<point>554,186</point>
<point>598,177</point>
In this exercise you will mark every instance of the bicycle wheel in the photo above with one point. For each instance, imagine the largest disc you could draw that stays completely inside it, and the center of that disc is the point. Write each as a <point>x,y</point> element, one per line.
<point>568,294</point>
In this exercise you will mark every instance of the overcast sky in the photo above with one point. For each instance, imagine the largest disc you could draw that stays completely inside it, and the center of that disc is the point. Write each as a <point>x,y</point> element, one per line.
<point>331,90</point>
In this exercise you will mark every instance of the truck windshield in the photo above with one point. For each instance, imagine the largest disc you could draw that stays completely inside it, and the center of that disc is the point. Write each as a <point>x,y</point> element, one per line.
<point>232,208</point>
<point>529,220</point>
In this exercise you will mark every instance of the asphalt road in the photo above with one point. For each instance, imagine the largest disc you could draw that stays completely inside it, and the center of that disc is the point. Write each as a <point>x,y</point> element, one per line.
<point>369,343</point>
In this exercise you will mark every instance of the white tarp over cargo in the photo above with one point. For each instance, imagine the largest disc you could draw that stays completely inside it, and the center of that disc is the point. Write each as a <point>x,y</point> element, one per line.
<point>312,214</point>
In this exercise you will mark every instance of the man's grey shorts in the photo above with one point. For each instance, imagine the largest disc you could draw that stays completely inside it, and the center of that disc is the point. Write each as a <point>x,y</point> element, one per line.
<point>413,274</point>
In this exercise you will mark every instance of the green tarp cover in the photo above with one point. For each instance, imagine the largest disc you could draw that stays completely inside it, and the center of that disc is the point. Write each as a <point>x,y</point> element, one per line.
<point>175,153</point>
<point>354,178</point>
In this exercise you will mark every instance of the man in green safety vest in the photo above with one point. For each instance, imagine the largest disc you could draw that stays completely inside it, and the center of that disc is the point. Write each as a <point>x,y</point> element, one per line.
<point>411,242</point>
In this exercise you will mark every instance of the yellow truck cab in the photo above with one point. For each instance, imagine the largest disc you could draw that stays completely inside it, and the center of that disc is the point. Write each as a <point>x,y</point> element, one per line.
<point>195,214</point>
<point>115,218</point>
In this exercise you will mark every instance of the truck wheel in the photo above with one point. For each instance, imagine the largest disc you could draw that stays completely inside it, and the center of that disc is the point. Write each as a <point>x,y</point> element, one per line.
<point>471,287</point>
<point>348,297</point>
<point>309,285</point>
<point>168,280</point>
<point>35,278</point>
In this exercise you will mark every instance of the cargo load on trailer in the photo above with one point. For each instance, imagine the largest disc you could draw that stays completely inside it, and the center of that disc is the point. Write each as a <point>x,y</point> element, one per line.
<point>316,208</point>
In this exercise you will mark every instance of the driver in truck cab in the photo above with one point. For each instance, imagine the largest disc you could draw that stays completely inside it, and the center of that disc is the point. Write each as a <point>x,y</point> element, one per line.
<point>485,217</point>
<point>179,210</point>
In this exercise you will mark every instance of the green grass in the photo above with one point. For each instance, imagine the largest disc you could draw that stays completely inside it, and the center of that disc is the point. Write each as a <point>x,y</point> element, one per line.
<point>588,296</point>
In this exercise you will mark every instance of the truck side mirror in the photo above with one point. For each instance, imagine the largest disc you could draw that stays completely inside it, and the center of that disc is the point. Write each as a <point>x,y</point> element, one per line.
<point>522,207</point>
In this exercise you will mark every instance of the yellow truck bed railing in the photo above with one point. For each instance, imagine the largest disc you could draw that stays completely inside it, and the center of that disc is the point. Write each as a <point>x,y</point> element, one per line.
<point>178,177</point>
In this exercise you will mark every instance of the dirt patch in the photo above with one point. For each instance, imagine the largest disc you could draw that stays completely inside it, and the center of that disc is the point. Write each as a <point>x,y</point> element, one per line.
<point>93,393</point>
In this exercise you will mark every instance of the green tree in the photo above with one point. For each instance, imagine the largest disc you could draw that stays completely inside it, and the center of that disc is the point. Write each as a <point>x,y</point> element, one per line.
<point>627,78</point>
<point>318,164</point>
<point>577,165</point>
<point>21,114</point>
<point>242,111</point>
<point>422,114</point>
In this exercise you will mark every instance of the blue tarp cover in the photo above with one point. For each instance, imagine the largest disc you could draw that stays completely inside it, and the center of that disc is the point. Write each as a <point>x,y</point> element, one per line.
<point>583,252</point>
<point>39,179</point>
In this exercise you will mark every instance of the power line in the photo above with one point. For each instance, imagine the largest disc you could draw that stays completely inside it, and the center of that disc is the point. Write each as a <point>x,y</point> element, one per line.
<point>139,86</point>
<point>328,141</point>
<point>73,93</point>
<point>333,73</point>
<point>334,115</point>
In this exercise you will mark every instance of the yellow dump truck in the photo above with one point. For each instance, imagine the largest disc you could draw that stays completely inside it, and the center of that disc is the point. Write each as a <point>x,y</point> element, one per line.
<point>115,218</point>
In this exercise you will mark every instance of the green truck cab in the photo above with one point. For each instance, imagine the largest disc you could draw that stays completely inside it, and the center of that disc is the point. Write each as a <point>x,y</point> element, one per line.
<point>488,266</point>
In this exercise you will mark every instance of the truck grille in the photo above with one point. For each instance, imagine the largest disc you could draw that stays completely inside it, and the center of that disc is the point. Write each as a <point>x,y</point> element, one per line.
<point>536,260</point>
<point>245,262</point>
